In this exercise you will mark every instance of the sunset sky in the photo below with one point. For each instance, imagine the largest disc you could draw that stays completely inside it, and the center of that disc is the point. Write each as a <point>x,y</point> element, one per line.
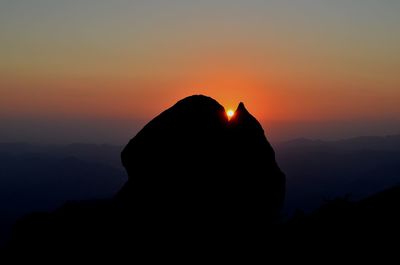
<point>76,64</point>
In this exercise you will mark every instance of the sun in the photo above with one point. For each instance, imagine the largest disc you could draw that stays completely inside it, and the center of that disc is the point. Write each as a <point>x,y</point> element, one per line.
<point>230,113</point>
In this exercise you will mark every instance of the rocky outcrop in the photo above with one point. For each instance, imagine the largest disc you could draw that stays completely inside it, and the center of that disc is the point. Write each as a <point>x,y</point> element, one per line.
<point>191,158</point>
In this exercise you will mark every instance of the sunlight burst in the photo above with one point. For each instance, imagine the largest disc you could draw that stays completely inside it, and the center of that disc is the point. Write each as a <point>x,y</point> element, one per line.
<point>230,113</point>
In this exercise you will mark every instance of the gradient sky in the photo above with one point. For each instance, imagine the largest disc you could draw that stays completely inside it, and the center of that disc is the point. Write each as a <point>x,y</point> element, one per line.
<point>289,61</point>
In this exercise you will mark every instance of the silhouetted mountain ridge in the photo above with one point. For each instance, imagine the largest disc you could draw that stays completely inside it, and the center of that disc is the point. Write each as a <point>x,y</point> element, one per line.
<point>381,143</point>
<point>42,178</point>
<point>198,182</point>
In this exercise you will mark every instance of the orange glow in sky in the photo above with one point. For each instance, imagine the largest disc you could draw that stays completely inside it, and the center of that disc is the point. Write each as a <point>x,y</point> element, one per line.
<point>133,60</point>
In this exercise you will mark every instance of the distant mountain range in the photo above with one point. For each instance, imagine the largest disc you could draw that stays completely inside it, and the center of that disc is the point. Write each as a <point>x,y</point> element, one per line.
<point>322,170</point>
<point>42,178</point>
<point>107,154</point>
<point>362,143</point>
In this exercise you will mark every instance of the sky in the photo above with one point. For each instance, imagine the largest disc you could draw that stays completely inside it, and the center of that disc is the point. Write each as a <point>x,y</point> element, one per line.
<point>97,70</point>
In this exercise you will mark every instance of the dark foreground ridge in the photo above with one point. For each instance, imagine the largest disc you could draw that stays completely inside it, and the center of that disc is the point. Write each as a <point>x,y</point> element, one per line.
<point>194,177</point>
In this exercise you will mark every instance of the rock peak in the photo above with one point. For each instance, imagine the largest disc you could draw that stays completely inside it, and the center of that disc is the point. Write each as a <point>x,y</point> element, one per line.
<point>241,108</point>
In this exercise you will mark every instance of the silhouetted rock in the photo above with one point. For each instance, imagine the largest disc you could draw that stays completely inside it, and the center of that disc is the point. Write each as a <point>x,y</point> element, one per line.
<point>192,160</point>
